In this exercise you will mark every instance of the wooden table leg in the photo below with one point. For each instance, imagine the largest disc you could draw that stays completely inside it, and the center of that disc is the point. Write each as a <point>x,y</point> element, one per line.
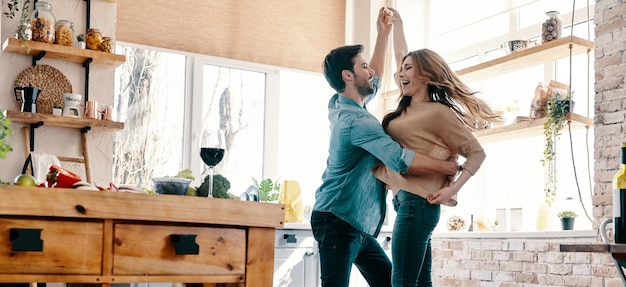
<point>260,261</point>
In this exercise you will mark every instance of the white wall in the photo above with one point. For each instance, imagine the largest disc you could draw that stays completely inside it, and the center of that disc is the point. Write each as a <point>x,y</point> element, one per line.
<point>52,140</point>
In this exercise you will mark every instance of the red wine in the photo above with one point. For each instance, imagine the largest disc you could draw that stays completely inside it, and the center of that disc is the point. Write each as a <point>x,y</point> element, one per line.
<point>211,156</point>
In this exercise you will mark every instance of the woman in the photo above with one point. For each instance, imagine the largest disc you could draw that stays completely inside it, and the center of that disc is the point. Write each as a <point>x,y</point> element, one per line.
<point>435,116</point>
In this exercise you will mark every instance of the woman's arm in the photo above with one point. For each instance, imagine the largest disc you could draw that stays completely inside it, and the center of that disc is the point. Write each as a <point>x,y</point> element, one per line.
<point>400,47</point>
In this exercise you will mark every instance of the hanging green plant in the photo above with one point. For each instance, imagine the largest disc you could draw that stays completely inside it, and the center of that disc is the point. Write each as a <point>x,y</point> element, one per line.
<point>23,31</point>
<point>557,109</point>
<point>5,131</point>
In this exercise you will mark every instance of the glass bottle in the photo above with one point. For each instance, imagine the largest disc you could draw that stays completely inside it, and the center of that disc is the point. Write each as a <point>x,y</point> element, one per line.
<point>42,23</point>
<point>106,45</point>
<point>64,33</point>
<point>94,38</point>
<point>552,28</point>
<point>619,200</point>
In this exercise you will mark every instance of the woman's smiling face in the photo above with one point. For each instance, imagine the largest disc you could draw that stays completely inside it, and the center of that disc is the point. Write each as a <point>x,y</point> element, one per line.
<point>410,84</point>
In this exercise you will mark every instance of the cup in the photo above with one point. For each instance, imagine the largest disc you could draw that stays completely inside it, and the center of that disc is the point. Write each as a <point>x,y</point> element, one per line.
<point>91,110</point>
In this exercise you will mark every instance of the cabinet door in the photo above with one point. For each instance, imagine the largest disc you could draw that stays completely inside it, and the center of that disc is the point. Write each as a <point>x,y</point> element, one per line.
<point>295,267</point>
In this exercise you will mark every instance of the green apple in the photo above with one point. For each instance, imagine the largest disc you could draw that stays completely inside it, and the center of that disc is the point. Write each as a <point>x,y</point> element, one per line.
<point>25,180</point>
<point>191,192</point>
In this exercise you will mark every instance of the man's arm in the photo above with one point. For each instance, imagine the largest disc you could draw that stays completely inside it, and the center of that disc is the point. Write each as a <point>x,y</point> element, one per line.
<point>423,164</point>
<point>377,62</point>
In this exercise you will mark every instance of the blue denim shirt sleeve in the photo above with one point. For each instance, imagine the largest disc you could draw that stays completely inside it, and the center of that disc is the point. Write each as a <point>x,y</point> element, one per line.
<point>367,133</point>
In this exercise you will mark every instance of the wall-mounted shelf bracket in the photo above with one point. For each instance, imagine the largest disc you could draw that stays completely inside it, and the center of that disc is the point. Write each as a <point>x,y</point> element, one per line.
<point>38,57</point>
<point>85,130</point>
<point>86,64</point>
<point>32,134</point>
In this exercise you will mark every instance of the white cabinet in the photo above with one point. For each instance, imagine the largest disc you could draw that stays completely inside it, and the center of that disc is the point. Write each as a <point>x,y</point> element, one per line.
<point>296,259</point>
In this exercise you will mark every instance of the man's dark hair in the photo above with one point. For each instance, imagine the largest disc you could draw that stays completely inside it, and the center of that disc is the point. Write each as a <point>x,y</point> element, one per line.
<point>336,61</point>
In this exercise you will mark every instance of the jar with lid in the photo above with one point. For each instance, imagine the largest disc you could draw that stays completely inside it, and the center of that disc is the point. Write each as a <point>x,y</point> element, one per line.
<point>552,28</point>
<point>64,33</point>
<point>94,38</point>
<point>106,45</point>
<point>42,23</point>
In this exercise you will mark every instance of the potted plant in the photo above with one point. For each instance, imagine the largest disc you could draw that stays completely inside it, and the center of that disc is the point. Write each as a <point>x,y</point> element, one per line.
<point>556,110</point>
<point>23,31</point>
<point>80,41</point>
<point>268,189</point>
<point>5,131</point>
<point>567,219</point>
<point>57,109</point>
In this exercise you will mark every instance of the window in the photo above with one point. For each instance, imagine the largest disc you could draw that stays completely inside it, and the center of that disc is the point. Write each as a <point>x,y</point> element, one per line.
<point>274,120</point>
<point>511,177</point>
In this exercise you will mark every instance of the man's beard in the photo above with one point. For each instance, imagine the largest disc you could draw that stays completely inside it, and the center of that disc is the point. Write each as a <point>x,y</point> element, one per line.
<point>364,87</point>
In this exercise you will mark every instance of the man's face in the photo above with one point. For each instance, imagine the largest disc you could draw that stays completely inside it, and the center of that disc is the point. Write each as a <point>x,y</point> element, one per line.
<point>362,76</point>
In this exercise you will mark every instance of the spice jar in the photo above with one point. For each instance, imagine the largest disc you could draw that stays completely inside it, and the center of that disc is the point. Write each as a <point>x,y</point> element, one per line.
<point>94,38</point>
<point>106,45</point>
<point>42,23</point>
<point>64,33</point>
<point>553,26</point>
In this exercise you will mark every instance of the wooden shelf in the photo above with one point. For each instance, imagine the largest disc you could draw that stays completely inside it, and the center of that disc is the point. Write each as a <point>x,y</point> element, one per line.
<point>63,121</point>
<point>544,53</point>
<point>70,54</point>
<point>526,129</point>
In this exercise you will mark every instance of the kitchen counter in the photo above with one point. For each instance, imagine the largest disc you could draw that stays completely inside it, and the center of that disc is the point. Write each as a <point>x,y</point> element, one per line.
<point>483,234</point>
<point>78,236</point>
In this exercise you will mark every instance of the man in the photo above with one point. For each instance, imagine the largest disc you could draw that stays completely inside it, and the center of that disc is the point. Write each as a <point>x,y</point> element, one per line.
<point>350,204</point>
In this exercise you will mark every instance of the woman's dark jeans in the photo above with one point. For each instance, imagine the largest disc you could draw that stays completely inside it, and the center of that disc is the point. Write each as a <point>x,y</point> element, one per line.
<point>410,246</point>
<point>341,245</point>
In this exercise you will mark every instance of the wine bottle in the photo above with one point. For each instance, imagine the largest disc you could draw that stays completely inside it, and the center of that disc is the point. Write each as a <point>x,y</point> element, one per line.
<point>619,200</point>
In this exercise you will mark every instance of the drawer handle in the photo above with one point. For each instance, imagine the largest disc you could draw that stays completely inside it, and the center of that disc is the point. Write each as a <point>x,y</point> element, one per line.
<point>290,238</point>
<point>185,243</point>
<point>26,239</point>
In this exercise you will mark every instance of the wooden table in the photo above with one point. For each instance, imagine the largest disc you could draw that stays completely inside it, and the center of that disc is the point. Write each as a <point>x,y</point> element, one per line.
<point>78,236</point>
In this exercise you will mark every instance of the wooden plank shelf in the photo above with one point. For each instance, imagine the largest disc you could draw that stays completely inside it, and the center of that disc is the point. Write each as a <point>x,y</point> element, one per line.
<point>64,121</point>
<point>524,129</point>
<point>70,54</point>
<point>540,54</point>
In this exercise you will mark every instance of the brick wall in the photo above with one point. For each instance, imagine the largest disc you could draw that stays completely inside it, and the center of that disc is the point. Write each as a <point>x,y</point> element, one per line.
<point>504,262</point>
<point>508,262</point>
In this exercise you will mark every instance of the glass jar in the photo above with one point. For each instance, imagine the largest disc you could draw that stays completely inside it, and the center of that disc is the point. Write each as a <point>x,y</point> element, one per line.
<point>552,28</point>
<point>106,45</point>
<point>94,38</point>
<point>42,23</point>
<point>64,33</point>
<point>23,31</point>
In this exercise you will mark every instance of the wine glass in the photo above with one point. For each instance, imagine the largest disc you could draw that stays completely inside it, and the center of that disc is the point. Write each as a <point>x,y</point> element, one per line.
<point>212,146</point>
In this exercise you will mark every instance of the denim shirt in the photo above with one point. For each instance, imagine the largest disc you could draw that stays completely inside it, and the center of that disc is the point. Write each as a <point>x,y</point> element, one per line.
<point>358,142</point>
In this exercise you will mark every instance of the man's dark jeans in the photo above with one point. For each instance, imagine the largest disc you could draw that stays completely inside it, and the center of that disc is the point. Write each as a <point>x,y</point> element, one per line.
<point>341,245</point>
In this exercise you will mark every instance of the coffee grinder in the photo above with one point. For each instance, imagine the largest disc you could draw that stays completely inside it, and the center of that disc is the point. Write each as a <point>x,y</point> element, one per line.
<point>28,97</point>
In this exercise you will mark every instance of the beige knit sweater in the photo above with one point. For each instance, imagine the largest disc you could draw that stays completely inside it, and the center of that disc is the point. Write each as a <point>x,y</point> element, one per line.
<point>433,129</point>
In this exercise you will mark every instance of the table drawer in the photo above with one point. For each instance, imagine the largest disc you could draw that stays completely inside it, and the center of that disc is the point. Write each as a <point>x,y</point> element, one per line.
<point>50,247</point>
<point>151,250</point>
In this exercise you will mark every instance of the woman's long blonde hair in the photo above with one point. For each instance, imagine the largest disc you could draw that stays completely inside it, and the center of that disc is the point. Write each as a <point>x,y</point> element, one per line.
<point>446,88</point>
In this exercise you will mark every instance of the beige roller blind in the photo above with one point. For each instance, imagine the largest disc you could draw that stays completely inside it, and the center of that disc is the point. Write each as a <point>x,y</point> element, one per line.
<point>287,33</point>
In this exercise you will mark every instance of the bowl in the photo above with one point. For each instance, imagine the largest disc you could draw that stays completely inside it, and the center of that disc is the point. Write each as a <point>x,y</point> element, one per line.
<point>171,185</point>
<point>513,46</point>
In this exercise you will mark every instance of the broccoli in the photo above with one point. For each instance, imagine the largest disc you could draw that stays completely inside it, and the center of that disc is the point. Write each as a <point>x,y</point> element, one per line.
<point>221,185</point>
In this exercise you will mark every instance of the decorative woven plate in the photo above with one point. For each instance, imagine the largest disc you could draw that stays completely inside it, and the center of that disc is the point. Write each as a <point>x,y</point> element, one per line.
<point>51,82</point>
